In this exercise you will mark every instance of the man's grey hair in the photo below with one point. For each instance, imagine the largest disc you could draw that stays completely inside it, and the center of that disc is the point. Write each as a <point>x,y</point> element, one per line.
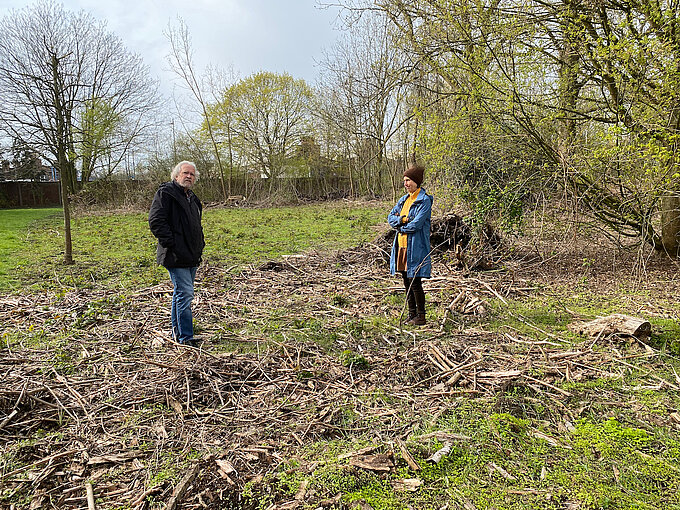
<point>178,167</point>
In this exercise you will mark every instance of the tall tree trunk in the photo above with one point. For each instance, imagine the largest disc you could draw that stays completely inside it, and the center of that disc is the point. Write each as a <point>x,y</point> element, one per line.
<point>670,223</point>
<point>66,171</point>
<point>225,195</point>
<point>568,89</point>
<point>231,157</point>
<point>68,246</point>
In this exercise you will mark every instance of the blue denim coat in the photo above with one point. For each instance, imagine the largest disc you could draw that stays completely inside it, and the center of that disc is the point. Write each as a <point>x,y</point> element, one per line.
<point>418,261</point>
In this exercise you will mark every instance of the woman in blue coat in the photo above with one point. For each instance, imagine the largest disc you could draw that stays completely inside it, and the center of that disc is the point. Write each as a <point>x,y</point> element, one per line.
<point>411,249</point>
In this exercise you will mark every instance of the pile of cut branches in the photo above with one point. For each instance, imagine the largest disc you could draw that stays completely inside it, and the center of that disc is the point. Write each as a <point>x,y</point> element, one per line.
<point>97,404</point>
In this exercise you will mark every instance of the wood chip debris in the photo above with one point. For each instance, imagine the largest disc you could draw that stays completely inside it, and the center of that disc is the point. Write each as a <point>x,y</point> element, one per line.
<point>437,456</point>
<point>381,463</point>
<point>407,484</point>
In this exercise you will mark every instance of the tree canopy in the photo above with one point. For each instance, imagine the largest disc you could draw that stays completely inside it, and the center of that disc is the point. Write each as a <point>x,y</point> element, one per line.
<point>269,114</point>
<point>585,91</point>
<point>71,92</point>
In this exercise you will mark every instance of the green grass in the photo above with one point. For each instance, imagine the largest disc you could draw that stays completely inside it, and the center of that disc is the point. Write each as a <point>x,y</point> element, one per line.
<point>247,235</point>
<point>15,227</point>
<point>546,316</point>
<point>506,464</point>
<point>117,250</point>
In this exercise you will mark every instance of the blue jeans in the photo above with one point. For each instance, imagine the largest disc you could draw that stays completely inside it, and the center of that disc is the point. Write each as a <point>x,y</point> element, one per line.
<point>182,296</point>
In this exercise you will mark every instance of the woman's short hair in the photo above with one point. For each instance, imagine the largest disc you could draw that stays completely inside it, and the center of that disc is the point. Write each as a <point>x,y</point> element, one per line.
<point>178,167</point>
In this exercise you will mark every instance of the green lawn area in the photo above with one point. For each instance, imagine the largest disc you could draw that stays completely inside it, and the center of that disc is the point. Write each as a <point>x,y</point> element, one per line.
<point>16,226</point>
<point>118,251</point>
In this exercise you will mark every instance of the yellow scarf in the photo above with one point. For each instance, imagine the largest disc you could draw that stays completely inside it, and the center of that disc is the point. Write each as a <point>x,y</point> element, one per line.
<point>404,212</point>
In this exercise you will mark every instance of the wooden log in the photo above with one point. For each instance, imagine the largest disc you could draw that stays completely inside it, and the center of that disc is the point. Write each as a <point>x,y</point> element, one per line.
<point>614,324</point>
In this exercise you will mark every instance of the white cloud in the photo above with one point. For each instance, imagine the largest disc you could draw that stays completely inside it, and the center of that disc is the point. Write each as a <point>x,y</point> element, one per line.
<point>248,35</point>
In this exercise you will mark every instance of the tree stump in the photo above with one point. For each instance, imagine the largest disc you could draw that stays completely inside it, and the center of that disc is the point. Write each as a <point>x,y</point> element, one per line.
<point>615,324</point>
<point>446,232</point>
<point>450,233</point>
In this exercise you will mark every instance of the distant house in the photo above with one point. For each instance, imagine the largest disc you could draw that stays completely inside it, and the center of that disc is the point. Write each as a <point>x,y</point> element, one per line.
<point>28,183</point>
<point>31,169</point>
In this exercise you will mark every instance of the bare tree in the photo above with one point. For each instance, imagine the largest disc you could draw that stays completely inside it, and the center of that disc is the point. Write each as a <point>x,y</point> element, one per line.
<point>368,84</point>
<point>55,67</point>
<point>182,64</point>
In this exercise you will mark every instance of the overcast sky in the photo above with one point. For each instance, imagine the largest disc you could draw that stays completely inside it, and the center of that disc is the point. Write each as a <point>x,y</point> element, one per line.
<point>246,35</point>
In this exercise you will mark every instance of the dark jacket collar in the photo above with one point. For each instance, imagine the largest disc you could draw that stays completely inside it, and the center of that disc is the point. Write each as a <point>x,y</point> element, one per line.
<point>180,194</point>
<point>178,191</point>
<point>182,191</point>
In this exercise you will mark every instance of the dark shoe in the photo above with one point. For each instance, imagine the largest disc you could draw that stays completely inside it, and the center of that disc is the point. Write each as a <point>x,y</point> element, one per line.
<point>195,342</point>
<point>419,320</point>
<point>191,342</point>
<point>412,314</point>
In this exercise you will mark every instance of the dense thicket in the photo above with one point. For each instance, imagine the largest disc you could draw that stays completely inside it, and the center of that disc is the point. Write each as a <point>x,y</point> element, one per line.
<point>573,94</point>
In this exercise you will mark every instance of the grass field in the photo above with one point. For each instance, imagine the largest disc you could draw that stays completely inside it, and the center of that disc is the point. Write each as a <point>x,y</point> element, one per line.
<point>308,387</point>
<point>16,226</point>
<point>118,251</point>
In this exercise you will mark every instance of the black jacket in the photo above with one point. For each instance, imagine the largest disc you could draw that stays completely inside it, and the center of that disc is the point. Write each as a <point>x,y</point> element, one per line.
<point>175,220</point>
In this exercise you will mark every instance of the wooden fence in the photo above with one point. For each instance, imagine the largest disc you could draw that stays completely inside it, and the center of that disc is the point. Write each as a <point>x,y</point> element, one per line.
<point>138,193</point>
<point>15,194</point>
